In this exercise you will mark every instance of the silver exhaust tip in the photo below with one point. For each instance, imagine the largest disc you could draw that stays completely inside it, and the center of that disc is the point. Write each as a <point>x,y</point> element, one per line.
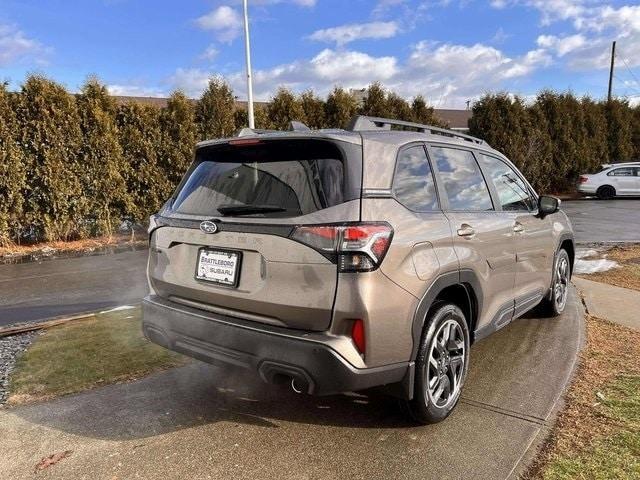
<point>296,386</point>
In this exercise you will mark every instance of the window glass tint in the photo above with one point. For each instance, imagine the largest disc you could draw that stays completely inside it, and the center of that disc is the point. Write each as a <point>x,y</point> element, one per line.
<point>623,172</point>
<point>512,191</point>
<point>282,178</point>
<point>413,184</point>
<point>462,179</point>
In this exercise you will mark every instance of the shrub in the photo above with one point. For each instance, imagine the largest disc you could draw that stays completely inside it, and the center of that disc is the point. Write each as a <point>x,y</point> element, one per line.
<point>12,170</point>
<point>103,176</point>
<point>215,111</point>
<point>49,134</point>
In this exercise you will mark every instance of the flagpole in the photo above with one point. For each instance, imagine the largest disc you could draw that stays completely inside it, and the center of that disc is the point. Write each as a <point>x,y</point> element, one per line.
<point>248,57</point>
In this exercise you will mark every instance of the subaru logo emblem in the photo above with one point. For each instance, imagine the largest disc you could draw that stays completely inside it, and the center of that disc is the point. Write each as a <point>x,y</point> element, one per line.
<point>208,227</point>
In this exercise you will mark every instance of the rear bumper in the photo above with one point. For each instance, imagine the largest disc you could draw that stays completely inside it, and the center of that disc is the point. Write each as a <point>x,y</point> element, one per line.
<point>272,352</point>
<point>587,189</point>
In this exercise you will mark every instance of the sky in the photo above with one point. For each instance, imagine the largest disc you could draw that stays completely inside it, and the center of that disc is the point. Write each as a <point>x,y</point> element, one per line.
<point>449,51</point>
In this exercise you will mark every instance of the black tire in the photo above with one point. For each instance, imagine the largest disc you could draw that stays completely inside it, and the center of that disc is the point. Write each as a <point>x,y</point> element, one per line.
<point>606,192</point>
<point>422,408</point>
<point>550,306</point>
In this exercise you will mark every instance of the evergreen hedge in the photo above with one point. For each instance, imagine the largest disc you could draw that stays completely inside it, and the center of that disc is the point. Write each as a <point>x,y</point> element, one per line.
<point>78,165</point>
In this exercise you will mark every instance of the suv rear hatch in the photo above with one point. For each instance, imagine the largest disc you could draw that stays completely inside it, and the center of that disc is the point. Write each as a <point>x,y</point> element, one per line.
<point>251,193</point>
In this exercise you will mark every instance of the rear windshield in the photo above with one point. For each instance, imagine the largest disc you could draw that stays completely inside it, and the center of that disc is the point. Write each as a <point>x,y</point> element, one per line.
<point>270,178</point>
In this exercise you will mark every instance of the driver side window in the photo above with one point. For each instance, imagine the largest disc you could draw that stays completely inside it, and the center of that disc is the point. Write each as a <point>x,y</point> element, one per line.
<point>513,192</point>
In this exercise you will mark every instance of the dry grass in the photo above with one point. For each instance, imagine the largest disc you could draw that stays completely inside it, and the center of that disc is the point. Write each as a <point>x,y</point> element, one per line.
<point>78,356</point>
<point>88,244</point>
<point>597,435</point>
<point>627,275</point>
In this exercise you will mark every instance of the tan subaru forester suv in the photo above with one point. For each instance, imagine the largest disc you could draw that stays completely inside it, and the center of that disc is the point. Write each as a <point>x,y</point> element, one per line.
<point>340,260</point>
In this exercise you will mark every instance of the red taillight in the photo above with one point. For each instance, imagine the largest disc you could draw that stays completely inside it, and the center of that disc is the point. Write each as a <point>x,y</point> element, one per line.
<point>358,248</point>
<point>583,179</point>
<point>357,335</point>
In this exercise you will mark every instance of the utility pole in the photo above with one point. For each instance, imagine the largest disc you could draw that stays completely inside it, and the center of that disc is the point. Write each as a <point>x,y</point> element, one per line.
<point>248,58</point>
<point>613,61</point>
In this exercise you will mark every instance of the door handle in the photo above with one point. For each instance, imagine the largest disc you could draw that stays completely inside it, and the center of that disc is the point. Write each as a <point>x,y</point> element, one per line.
<point>518,227</point>
<point>466,231</point>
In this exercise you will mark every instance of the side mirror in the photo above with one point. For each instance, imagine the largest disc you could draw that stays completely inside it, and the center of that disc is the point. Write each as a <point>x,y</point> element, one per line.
<point>548,205</point>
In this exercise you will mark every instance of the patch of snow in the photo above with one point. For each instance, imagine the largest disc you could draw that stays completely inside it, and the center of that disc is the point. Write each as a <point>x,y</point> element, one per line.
<point>117,309</point>
<point>584,253</point>
<point>593,266</point>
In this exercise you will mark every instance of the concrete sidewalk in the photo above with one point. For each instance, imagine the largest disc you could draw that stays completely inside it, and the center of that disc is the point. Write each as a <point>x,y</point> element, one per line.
<point>201,422</point>
<point>618,305</point>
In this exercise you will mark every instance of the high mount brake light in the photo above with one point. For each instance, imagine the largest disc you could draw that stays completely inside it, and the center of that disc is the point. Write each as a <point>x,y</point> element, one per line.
<point>359,247</point>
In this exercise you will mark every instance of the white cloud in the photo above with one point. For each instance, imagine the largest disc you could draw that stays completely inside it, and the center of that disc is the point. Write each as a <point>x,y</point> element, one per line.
<point>16,46</point>
<point>595,24</point>
<point>447,74</point>
<point>210,53</point>
<point>562,45</point>
<point>135,91</point>
<point>225,21</point>
<point>356,31</point>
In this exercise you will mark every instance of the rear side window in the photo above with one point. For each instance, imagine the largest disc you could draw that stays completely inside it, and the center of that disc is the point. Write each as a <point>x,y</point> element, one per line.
<point>512,191</point>
<point>623,172</point>
<point>462,179</point>
<point>270,178</point>
<point>413,183</point>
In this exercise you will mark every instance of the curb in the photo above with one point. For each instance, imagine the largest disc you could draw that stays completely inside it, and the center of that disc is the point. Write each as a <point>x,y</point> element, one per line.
<point>531,453</point>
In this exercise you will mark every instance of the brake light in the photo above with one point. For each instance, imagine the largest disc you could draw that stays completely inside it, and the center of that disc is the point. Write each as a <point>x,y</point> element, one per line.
<point>358,248</point>
<point>357,335</point>
<point>583,179</point>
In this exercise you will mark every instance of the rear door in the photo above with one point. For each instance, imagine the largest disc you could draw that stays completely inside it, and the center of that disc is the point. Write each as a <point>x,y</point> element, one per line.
<point>637,183</point>
<point>624,180</point>
<point>241,261</point>
<point>534,239</point>
<point>482,235</point>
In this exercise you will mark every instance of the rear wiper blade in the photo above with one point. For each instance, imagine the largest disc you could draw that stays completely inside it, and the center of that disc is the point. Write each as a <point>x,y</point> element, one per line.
<point>248,209</point>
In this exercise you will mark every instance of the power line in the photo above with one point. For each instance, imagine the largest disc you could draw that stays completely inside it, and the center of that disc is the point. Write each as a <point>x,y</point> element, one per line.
<point>630,71</point>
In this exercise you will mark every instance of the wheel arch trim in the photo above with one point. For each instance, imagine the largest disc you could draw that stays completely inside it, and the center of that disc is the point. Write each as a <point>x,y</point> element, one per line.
<point>464,278</point>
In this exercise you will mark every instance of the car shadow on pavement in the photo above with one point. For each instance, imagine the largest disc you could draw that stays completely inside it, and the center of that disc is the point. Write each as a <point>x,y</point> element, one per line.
<point>200,394</point>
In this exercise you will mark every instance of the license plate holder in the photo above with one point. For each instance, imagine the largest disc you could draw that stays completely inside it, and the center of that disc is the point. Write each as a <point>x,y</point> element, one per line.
<point>217,266</point>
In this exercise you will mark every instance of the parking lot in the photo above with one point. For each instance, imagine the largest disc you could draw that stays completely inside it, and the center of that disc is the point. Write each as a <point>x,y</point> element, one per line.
<point>604,221</point>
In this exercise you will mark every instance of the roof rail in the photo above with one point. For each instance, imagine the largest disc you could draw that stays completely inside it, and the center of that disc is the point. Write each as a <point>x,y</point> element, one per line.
<point>361,123</point>
<point>294,126</point>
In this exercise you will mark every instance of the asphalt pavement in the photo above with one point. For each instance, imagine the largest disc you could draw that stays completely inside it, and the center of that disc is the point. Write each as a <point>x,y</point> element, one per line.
<point>202,422</point>
<point>604,221</point>
<point>39,290</point>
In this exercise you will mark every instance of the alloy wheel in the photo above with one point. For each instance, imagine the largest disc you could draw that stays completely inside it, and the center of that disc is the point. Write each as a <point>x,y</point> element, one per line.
<point>561,286</point>
<point>446,364</point>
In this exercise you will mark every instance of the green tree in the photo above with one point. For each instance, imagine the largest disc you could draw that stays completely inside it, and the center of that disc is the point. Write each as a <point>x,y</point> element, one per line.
<point>375,103</point>
<point>12,171</point>
<point>422,113</point>
<point>567,131</point>
<point>340,108</point>
<point>103,183</point>
<point>314,110</point>
<point>179,134</point>
<point>215,111</point>
<point>595,120</point>
<point>620,139</point>
<point>51,139</point>
<point>398,108</point>
<point>147,182</point>
<point>283,108</point>
<point>635,133</point>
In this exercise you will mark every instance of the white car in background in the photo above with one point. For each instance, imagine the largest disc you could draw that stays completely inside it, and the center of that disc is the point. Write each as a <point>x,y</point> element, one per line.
<point>615,180</point>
